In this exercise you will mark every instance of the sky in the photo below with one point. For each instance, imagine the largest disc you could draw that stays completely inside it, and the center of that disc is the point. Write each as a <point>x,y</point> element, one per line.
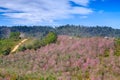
<point>60,12</point>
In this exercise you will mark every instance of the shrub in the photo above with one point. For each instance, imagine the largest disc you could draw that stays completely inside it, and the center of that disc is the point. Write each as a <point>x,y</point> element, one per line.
<point>106,53</point>
<point>117,47</point>
<point>6,51</point>
<point>36,44</point>
<point>50,38</point>
<point>29,46</point>
<point>22,48</point>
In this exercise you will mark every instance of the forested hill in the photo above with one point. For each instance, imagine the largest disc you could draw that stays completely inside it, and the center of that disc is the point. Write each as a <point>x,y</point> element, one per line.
<point>72,30</point>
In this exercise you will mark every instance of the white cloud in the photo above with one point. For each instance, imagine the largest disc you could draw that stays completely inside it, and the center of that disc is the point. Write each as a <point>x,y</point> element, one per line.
<point>80,10</point>
<point>38,11</point>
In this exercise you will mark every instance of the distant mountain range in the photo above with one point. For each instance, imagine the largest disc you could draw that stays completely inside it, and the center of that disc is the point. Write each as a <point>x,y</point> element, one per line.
<point>71,30</point>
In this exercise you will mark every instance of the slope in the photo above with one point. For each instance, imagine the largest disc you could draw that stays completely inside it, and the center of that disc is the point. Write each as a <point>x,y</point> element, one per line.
<point>69,58</point>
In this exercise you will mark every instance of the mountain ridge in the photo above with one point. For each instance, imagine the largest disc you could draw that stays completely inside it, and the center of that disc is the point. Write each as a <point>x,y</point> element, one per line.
<point>71,30</point>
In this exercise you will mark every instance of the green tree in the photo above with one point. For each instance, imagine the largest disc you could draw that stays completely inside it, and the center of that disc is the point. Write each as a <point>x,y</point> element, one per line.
<point>14,35</point>
<point>50,38</point>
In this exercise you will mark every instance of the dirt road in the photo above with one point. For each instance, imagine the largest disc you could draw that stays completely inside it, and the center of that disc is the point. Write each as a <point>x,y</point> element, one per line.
<point>17,46</point>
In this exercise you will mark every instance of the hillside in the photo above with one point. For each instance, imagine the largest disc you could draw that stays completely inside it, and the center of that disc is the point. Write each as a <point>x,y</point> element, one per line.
<point>70,58</point>
<point>71,30</point>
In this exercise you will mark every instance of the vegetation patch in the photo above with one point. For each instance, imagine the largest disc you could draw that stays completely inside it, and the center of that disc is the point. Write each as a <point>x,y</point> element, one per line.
<point>35,44</point>
<point>117,47</point>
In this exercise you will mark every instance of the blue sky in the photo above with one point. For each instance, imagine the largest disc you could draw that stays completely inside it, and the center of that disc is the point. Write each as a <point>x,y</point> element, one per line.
<point>60,12</point>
